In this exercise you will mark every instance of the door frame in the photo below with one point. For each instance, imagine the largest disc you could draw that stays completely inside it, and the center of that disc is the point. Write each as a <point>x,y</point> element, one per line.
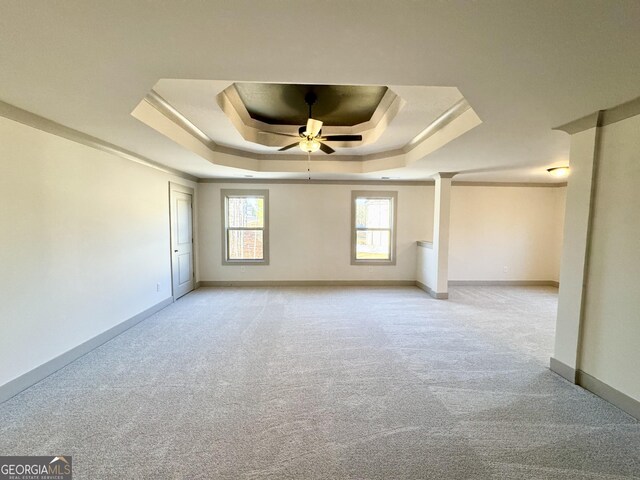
<point>190,191</point>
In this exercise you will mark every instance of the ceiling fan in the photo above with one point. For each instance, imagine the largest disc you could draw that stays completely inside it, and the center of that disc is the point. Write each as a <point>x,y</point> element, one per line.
<point>310,135</point>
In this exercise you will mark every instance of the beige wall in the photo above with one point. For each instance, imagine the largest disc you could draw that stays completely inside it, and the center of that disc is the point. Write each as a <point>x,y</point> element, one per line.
<point>491,227</point>
<point>310,227</point>
<point>611,326</point>
<point>85,240</point>
<point>519,228</point>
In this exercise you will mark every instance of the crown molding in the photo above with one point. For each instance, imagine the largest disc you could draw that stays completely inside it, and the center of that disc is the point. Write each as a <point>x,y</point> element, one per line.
<point>581,124</point>
<point>439,123</point>
<point>441,175</point>
<point>602,118</point>
<point>164,107</point>
<point>621,112</point>
<point>300,181</point>
<point>49,126</point>
<point>508,184</point>
<point>410,183</point>
<point>419,146</point>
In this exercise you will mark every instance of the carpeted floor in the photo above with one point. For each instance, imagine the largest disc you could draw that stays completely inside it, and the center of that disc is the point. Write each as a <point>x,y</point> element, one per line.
<point>328,383</point>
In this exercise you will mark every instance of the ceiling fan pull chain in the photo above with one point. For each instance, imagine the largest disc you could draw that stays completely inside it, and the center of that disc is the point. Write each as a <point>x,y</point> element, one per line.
<point>309,165</point>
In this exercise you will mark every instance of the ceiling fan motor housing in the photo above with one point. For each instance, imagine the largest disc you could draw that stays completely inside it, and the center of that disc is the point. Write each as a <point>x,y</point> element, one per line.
<point>311,140</point>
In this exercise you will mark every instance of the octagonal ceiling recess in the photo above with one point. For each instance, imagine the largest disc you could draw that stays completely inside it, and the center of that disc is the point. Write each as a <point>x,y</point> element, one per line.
<point>260,112</point>
<point>233,124</point>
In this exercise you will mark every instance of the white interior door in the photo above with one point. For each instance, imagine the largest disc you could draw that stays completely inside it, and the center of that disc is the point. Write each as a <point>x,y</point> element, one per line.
<point>181,240</point>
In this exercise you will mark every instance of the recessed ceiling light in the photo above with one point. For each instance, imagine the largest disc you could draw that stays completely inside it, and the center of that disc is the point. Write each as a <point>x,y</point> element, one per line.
<point>558,171</point>
<point>385,178</point>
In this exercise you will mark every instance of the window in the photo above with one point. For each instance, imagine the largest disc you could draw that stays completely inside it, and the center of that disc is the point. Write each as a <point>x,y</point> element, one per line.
<point>246,226</point>
<point>373,236</point>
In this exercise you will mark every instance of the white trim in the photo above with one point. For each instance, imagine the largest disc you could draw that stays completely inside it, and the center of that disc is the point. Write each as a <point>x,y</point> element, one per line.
<point>306,181</point>
<point>407,183</point>
<point>505,283</point>
<point>154,99</point>
<point>34,376</point>
<point>307,283</point>
<point>389,195</point>
<point>35,121</point>
<point>598,387</point>
<point>224,194</point>
<point>438,124</point>
<point>176,187</point>
<point>608,393</point>
<point>456,183</point>
<point>562,369</point>
<point>425,244</point>
<point>602,118</point>
<point>434,294</point>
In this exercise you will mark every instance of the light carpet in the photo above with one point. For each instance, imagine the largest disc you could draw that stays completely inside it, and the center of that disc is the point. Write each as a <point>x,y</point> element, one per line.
<point>328,383</point>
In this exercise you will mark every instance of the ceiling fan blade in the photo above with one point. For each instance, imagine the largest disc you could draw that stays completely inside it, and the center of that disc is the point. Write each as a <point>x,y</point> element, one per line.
<point>326,149</point>
<point>288,147</point>
<point>278,134</point>
<point>343,138</point>
<point>313,127</point>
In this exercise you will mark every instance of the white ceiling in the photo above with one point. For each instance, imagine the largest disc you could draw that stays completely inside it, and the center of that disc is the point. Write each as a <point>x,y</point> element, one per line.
<point>524,66</point>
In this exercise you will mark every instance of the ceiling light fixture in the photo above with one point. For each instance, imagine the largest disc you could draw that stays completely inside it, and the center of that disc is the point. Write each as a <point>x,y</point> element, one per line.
<point>558,171</point>
<point>311,134</point>
<point>309,145</point>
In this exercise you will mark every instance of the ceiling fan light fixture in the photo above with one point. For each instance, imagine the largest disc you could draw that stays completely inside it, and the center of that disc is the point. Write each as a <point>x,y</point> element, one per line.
<point>310,145</point>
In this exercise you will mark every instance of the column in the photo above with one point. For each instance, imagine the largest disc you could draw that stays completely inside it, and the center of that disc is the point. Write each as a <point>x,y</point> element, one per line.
<point>573,272</point>
<point>441,221</point>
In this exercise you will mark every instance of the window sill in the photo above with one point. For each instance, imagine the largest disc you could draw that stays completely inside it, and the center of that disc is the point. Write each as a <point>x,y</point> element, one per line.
<point>245,262</point>
<point>373,262</point>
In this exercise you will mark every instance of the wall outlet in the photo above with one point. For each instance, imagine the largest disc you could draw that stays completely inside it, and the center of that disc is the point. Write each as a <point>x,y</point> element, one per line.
<point>505,269</point>
<point>157,287</point>
<point>243,268</point>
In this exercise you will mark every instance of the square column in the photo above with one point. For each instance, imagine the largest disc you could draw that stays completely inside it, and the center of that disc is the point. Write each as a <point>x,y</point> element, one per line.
<point>441,222</point>
<point>575,251</point>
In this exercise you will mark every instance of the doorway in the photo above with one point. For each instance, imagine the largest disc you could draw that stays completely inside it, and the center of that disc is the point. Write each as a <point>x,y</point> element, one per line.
<point>181,223</point>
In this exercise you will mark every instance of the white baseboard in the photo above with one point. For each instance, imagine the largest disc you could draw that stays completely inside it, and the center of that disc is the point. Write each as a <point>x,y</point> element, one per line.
<point>322,283</point>
<point>598,387</point>
<point>39,373</point>
<point>438,295</point>
<point>562,369</point>
<point>307,283</point>
<point>610,394</point>
<point>505,283</point>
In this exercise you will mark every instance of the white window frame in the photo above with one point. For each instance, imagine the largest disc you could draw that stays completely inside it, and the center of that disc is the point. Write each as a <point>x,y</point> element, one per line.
<point>225,194</point>
<point>393,196</point>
